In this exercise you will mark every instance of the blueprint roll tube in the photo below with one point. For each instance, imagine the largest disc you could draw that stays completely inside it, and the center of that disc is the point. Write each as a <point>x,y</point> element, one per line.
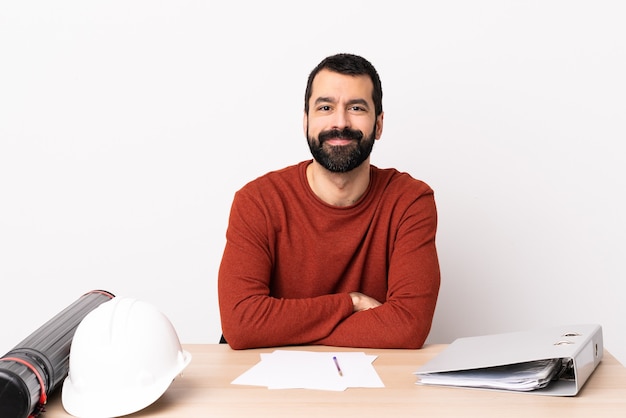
<point>35,367</point>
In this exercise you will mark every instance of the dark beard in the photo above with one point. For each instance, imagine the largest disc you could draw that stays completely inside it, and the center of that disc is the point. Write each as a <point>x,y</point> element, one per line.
<point>341,158</point>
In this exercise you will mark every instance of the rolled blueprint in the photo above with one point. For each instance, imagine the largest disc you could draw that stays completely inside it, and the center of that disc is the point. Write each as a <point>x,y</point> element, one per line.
<point>38,365</point>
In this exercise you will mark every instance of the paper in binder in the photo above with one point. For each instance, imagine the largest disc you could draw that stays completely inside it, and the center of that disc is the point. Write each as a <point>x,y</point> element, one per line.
<point>550,361</point>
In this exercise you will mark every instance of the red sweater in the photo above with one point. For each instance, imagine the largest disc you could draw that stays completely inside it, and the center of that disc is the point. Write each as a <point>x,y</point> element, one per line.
<point>291,260</point>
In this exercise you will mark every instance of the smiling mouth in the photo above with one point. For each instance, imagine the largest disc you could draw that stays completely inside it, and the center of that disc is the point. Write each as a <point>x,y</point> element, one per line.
<point>339,137</point>
<point>339,141</point>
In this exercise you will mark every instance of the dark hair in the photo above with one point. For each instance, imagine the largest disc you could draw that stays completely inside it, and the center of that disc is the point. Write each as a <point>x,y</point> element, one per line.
<point>348,64</point>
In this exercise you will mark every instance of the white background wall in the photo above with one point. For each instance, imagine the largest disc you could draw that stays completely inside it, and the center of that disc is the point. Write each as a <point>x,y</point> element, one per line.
<point>126,127</point>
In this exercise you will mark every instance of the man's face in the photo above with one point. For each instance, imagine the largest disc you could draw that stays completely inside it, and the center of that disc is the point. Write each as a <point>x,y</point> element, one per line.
<point>341,126</point>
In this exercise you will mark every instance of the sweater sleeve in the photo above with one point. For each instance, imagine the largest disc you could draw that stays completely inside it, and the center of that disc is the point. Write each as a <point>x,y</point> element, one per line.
<point>250,316</point>
<point>405,318</point>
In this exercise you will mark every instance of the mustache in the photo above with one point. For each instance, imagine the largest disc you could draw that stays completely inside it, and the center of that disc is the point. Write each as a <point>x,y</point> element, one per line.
<point>345,133</point>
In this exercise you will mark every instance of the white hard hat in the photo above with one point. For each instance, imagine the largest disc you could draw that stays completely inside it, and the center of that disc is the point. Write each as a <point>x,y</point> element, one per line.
<point>124,355</point>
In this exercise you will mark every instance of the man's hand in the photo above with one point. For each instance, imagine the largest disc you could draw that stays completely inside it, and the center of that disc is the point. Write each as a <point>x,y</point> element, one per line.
<point>361,302</point>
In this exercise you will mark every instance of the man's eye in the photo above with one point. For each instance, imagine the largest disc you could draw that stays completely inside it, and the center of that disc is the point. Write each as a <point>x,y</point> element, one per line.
<point>324,108</point>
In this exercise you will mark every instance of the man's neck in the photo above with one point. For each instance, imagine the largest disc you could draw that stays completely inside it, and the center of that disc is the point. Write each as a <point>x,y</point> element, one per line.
<point>338,189</point>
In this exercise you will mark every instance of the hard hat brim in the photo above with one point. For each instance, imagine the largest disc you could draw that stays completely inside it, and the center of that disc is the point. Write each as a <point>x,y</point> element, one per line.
<point>116,401</point>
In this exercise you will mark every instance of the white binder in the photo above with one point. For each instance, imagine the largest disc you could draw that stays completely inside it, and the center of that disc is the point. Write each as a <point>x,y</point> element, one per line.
<point>580,347</point>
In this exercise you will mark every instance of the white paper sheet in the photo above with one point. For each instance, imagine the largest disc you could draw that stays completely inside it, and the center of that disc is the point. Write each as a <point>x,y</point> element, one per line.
<point>284,369</point>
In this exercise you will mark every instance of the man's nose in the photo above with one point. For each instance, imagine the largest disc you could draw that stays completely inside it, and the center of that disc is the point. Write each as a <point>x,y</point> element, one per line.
<point>341,119</point>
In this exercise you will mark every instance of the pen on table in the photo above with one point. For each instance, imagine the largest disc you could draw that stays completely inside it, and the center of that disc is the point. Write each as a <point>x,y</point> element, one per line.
<point>337,364</point>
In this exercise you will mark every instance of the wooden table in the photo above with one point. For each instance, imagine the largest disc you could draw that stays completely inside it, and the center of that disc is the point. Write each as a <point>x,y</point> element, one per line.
<point>204,390</point>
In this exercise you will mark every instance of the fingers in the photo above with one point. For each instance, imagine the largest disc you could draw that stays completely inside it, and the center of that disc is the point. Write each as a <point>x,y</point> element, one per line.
<point>361,302</point>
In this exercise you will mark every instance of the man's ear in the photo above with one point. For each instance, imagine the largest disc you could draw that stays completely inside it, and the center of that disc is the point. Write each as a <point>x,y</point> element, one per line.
<point>379,125</point>
<point>305,122</point>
